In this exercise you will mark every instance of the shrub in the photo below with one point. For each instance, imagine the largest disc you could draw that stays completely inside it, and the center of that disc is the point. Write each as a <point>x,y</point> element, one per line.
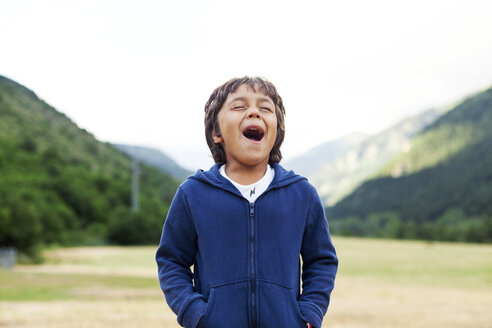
<point>133,228</point>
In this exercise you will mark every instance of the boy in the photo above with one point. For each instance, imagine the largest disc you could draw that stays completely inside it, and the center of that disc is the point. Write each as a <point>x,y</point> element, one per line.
<point>244,223</point>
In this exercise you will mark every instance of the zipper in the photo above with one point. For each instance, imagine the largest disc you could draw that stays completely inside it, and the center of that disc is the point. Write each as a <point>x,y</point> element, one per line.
<point>252,262</point>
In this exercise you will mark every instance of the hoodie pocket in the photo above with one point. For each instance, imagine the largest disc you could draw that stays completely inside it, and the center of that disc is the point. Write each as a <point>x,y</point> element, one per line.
<point>227,306</point>
<point>278,306</point>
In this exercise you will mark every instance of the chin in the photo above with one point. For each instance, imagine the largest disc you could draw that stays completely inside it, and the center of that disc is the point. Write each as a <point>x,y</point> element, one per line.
<point>253,161</point>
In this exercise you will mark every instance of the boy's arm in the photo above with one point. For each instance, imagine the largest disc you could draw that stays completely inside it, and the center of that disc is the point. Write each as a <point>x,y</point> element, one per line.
<point>175,256</point>
<point>319,266</point>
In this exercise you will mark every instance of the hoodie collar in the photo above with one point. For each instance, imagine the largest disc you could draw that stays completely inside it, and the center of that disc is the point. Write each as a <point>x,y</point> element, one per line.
<point>213,177</point>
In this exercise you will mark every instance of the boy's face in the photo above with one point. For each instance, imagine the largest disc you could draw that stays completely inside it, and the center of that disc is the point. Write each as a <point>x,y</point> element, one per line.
<point>248,127</point>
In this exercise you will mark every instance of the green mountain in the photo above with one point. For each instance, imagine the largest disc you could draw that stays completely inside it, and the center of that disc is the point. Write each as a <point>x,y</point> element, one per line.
<point>155,158</point>
<point>58,184</point>
<point>440,188</point>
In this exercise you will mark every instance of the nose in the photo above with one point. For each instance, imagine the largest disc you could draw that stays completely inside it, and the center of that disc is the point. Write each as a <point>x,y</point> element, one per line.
<point>254,112</point>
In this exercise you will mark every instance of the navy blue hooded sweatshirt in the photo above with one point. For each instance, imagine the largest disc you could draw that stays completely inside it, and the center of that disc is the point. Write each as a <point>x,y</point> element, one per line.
<point>245,256</point>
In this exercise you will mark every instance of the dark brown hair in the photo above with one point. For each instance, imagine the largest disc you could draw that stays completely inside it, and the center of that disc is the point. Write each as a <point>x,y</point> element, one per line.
<point>217,99</point>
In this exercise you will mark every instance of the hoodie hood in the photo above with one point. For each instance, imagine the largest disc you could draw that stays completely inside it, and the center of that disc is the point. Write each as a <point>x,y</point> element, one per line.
<point>213,177</point>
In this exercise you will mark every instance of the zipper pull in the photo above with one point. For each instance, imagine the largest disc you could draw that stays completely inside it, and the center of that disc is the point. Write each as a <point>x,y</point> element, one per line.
<point>251,209</point>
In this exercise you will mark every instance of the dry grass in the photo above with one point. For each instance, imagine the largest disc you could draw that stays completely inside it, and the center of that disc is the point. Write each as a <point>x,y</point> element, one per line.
<point>380,284</point>
<point>359,303</point>
<point>122,313</point>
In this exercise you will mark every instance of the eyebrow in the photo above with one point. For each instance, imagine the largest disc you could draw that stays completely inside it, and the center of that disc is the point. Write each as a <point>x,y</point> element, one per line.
<point>262,99</point>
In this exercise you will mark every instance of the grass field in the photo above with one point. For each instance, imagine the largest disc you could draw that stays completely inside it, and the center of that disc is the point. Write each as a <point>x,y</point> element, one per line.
<point>381,283</point>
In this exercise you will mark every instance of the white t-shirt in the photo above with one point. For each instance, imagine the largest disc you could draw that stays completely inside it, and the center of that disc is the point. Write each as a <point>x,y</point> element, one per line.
<point>253,191</point>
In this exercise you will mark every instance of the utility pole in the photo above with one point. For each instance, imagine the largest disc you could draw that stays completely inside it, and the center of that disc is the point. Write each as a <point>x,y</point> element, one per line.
<point>135,183</point>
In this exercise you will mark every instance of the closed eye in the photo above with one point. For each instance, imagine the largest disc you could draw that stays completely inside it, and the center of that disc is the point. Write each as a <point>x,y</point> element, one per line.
<point>238,107</point>
<point>266,108</point>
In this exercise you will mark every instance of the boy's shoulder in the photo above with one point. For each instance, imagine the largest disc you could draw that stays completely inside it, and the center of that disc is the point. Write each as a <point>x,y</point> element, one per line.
<point>287,177</point>
<point>211,176</point>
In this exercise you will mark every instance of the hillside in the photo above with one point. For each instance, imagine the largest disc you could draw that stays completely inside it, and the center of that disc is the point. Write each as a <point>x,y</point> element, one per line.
<point>441,188</point>
<point>60,185</point>
<point>340,175</point>
<point>155,158</point>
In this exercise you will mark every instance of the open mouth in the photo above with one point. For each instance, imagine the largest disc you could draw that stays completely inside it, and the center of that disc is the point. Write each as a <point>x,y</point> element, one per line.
<point>253,132</point>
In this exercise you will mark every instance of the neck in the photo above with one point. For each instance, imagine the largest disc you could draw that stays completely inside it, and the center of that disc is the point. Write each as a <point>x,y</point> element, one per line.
<point>245,175</point>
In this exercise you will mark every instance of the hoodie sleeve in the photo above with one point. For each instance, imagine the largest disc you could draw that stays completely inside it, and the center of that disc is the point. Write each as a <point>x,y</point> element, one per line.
<point>319,266</point>
<point>174,257</point>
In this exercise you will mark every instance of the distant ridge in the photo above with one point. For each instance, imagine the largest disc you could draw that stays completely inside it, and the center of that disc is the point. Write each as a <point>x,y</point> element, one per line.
<point>155,158</point>
<point>316,158</point>
<point>336,167</point>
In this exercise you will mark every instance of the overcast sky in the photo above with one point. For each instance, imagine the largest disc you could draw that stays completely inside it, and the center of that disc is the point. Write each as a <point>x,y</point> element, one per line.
<point>140,72</point>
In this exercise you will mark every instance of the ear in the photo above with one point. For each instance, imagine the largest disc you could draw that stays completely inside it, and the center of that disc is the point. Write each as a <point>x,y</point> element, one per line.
<point>217,138</point>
